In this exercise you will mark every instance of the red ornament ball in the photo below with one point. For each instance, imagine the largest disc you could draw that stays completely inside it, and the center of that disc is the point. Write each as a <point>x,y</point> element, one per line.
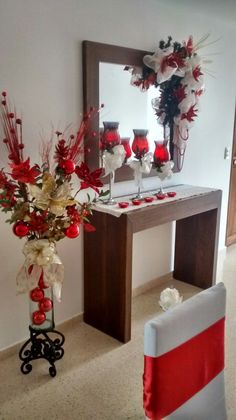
<point>38,317</point>
<point>45,305</point>
<point>20,229</point>
<point>68,166</point>
<point>72,231</point>
<point>36,294</point>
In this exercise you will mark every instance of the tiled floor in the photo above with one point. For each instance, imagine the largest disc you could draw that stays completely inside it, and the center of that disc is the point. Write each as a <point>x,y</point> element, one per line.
<point>99,378</point>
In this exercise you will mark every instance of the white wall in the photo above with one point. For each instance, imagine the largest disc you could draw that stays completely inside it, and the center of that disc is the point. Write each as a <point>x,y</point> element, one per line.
<point>40,67</point>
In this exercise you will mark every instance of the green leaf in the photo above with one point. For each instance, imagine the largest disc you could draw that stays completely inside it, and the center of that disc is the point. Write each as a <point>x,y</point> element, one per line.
<point>104,193</point>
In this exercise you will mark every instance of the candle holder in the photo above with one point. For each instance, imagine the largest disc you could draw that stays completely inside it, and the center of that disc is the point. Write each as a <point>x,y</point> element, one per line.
<point>110,201</point>
<point>110,141</point>
<point>161,155</point>
<point>140,147</point>
<point>110,136</point>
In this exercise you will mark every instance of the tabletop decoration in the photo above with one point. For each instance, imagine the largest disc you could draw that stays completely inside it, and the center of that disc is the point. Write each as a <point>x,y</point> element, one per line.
<point>163,165</point>
<point>177,70</point>
<point>42,208</point>
<point>142,161</point>
<point>113,154</point>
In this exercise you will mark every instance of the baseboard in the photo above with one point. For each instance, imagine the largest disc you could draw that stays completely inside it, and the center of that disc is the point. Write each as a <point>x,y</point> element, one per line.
<point>151,284</point>
<point>12,350</point>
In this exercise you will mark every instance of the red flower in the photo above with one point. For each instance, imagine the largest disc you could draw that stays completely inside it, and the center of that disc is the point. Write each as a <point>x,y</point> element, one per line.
<point>22,172</point>
<point>175,60</point>
<point>5,184</point>
<point>73,214</point>
<point>37,222</point>
<point>89,179</point>
<point>197,73</point>
<point>190,114</point>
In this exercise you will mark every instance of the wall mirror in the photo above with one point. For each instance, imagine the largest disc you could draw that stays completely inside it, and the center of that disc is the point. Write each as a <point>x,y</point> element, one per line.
<point>105,81</point>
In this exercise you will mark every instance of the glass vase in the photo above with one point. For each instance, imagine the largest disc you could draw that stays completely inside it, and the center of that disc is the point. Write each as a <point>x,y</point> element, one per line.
<point>41,307</point>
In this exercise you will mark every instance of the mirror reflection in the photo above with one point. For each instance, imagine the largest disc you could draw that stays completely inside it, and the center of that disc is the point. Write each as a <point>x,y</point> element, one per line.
<point>126,104</point>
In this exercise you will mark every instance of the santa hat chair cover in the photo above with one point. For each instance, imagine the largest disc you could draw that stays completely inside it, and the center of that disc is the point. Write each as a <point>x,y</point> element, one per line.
<point>184,360</point>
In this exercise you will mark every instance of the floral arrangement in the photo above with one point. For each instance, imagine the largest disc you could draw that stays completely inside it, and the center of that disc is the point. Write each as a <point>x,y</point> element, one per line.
<point>169,298</point>
<point>39,198</point>
<point>176,69</point>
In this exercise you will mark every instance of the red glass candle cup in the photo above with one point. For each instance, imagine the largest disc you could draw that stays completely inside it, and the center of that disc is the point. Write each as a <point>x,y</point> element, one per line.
<point>136,202</point>
<point>161,153</point>
<point>123,204</point>
<point>171,194</point>
<point>140,144</point>
<point>110,136</point>
<point>125,142</point>
<point>148,199</point>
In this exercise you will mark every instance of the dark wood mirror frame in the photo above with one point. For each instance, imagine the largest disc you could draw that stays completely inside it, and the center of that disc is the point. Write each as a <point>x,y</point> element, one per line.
<point>93,54</point>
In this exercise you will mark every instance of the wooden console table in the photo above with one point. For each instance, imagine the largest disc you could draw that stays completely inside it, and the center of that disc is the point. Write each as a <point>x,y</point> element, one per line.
<point>108,253</point>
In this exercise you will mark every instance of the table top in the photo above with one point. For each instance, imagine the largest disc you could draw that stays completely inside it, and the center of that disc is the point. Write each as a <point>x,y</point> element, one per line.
<point>182,191</point>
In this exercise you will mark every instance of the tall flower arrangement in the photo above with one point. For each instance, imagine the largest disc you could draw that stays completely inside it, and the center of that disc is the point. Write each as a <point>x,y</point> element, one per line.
<point>39,198</point>
<point>176,69</point>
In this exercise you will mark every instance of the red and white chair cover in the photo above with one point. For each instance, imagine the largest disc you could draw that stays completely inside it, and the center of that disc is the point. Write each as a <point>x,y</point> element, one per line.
<point>184,360</point>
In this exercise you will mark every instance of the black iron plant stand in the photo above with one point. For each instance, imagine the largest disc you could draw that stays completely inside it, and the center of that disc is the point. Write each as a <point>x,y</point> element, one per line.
<point>41,346</point>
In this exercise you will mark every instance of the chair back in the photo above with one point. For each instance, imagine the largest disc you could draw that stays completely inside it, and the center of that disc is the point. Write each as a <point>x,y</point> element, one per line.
<point>184,360</point>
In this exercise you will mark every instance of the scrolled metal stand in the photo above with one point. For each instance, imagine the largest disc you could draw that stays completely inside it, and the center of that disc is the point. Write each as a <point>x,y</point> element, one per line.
<point>41,346</point>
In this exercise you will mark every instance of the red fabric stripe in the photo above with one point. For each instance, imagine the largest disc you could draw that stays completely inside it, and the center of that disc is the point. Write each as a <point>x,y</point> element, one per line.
<point>174,377</point>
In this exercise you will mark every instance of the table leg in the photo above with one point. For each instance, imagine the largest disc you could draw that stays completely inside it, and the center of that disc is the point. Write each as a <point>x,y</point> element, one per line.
<point>108,276</point>
<point>196,247</point>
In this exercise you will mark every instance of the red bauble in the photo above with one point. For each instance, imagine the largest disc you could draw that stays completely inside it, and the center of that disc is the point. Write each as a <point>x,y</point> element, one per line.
<point>20,229</point>
<point>38,317</point>
<point>68,166</point>
<point>45,305</point>
<point>36,294</point>
<point>72,231</point>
